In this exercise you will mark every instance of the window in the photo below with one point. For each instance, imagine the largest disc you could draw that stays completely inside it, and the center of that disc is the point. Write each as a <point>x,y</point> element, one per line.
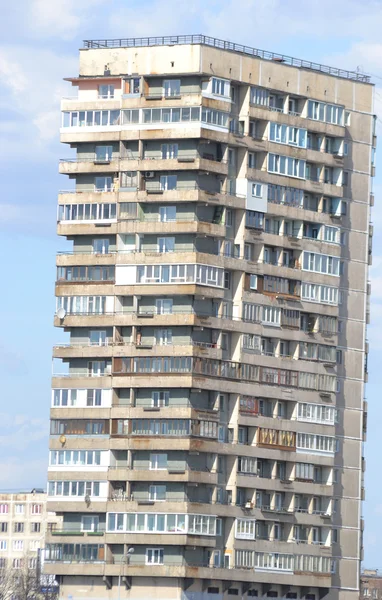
<point>157,492</point>
<point>331,234</point>
<point>247,465</point>
<point>168,182</point>
<point>169,151</point>
<point>257,190</point>
<point>158,462</point>
<point>164,306</point>
<point>304,471</point>
<point>228,217</point>
<point>284,165</point>
<point>316,443</point>
<point>103,184</point>
<point>248,251</point>
<point>330,113</point>
<point>74,488</point>
<point>254,219</point>
<point>167,214</point>
<point>35,527</point>
<point>34,545</point>
<point>253,282</point>
<point>19,509</point>
<point>17,563</point>
<point>94,397</point>
<point>245,529</point>
<point>103,153</point>
<point>171,87</point>
<point>252,312</point>
<point>271,316</point>
<point>251,160</point>
<point>32,563</point>
<point>101,246</point>
<point>284,134</point>
<point>160,398</point>
<point>168,427</point>
<point>90,273</point>
<point>324,294</point>
<point>166,244</point>
<point>36,509</point>
<point>188,273</point>
<point>87,212</point>
<point>245,559</point>
<point>321,263</point>
<point>3,527</point>
<point>106,91</point>
<point>317,413</point>
<point>18,528</point>
<point>132,85</point>
<point>75,457</point>
<point>3,544</point>
<point>93,118</point>
<point>130,116</point>
<point>251,342</point>
<point>220,87</point>
<point>259,96</point>
<point>18,545</point>
<point>167,115</point>
<point>3,509</point>
<point>274,561</point>
<point>89,523</point>
<point>154,556</point>
<point>214,117</point>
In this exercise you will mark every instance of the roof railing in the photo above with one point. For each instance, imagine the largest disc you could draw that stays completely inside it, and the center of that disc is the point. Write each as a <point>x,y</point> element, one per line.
<point>175,40</point>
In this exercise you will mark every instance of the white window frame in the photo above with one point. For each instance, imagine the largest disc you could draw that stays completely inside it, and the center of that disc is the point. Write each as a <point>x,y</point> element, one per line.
<point>154,556</point>
<point>245,529</point>
<point>257,190</point>
<point>154,495</point>
<point>154,461</point>
<point>109,88</point>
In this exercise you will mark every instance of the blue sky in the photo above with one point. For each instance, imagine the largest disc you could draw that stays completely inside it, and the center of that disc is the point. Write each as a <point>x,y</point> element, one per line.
<point>38,47</point>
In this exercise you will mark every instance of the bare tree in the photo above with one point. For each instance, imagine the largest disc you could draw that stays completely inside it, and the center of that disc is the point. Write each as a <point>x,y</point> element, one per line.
<point>26,582</point>
<point>6,583</point>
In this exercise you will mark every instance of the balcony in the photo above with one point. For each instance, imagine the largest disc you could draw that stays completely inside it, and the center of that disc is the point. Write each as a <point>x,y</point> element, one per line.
<point>191,192</point>
<point>182,162</point>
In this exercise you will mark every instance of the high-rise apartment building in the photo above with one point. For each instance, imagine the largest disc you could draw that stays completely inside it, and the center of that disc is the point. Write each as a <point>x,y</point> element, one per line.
<point>206,438</point>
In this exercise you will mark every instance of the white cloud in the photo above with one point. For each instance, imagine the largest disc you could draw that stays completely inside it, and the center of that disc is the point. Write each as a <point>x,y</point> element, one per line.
<point>23,473</point>
<point>18,431</point>
<point>62,18</point>
<point>12,75</point>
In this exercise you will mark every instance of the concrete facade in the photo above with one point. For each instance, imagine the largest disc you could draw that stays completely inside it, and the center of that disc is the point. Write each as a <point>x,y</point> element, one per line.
<point>208,417</point>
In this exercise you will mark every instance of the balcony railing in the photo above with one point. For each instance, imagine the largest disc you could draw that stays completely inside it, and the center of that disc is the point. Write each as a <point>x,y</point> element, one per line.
<point>135,156</point>
<point>148,314</point>
<point>157,187</point>
<point>223,45</point>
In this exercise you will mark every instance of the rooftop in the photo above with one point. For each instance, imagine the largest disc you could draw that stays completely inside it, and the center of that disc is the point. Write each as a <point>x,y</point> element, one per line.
<point>175,40</point>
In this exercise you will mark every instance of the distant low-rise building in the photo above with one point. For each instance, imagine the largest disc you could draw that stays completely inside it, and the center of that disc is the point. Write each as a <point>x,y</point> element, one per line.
<point>24,520</point>
<point>371,584</point>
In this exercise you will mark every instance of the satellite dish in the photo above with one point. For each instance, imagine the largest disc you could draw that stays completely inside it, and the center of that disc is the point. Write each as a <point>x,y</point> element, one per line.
<point>62,439</point>
<point>61,313</point>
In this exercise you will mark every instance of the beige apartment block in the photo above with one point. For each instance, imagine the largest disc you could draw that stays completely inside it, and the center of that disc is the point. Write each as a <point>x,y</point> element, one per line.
<point>24,522</point>
<point>208,408</point>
